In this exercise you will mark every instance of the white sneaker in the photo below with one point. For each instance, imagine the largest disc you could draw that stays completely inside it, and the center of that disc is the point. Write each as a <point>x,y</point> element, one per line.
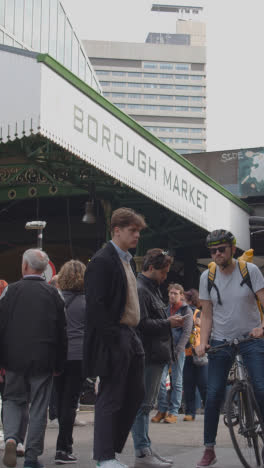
<point>79,422</point>
<point>53,424</point>
<point>114,463</point>
<point>20,450</point>
<point>169,461</point>
<point>150,461</point>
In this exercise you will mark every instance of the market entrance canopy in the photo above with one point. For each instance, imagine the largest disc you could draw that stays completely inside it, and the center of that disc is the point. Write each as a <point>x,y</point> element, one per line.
<point>40,96</point>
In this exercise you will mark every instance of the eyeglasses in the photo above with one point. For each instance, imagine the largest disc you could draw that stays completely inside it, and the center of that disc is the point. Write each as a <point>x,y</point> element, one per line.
<point>222,249</point>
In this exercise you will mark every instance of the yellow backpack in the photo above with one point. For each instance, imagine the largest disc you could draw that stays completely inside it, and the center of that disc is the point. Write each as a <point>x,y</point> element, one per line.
<point>247,256</point>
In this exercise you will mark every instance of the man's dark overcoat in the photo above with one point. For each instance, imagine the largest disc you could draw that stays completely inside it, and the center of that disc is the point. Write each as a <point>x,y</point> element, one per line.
<point>105,291</point>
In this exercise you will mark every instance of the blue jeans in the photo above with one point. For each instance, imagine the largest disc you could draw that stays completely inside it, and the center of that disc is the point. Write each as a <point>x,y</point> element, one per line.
<point>193,377</point>
<point>174,404</point>
<point>219,366</point>
<point>140,427</point>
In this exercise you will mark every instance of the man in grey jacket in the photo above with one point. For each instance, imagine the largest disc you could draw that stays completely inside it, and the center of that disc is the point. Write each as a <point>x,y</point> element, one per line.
<point>169,411</point>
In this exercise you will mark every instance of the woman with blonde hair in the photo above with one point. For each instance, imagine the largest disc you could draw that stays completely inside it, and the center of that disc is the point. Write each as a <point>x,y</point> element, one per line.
<point>69,383</point>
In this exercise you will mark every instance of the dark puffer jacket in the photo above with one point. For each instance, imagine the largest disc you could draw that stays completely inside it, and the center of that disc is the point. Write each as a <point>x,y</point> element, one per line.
<point>154,327</point>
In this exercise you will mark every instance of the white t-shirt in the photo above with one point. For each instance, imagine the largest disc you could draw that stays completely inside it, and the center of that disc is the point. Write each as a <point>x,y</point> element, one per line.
<point>239,312</point>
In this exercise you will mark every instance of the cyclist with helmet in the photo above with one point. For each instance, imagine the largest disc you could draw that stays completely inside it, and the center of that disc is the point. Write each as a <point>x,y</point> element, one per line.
<point>229,311</point>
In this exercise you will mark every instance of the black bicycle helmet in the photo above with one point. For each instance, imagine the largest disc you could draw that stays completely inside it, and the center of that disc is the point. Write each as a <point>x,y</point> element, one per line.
<point>220,236</point>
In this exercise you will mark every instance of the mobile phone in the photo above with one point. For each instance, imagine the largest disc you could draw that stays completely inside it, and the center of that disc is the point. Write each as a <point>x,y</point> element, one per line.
<point>183,316</point>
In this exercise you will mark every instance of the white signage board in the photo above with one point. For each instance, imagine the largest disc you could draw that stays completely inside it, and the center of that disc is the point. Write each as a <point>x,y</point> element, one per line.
<point>76,122</point>
<point>34,98</point>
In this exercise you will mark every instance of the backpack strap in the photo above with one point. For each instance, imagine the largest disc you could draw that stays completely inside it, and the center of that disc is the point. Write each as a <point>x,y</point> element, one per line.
<point>245,275</point>
<point>247,280</point>
<point>211,280</point>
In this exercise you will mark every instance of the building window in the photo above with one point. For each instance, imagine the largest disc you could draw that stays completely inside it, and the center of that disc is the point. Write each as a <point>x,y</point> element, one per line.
<point>196,77</point>
<point>197,142</point>
<point>134,96</point>
<point>118,84</point>
<point>120,105</point>
<point>118,73</point>
<point>166,66</point>
<point>134,85</point>
<point>196,109</point>
<point>181,98</point>
<point>181,108</point>
<point>166,86</point>
<point>182,66</point>
<point>133,106</point>
<point>167,108</point>
<point>181,130</point>
<point>135,74</point>
<point>151,85</point>
<point>167,76</point>
<point>196,130</point>
<point>182,77</point>
<point>151,75</point>
<point>150,96</point>
<point>150,65</point>
<point>105,83</point>
<point>102,72</point>
<point>119,95</point>
<point>165,96</point>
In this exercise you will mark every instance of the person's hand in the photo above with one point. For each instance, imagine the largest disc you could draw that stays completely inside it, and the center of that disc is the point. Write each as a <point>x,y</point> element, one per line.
<point>175,321</point>
<point>201,349</point>
<point>197,322</point>
<point>257,332</point>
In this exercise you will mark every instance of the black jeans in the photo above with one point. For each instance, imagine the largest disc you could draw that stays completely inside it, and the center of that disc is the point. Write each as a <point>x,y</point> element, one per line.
<point>119,397</point>
<point>68,386</point>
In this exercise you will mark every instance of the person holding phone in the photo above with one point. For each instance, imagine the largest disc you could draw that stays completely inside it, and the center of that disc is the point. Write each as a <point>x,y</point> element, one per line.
<point>168,411</point>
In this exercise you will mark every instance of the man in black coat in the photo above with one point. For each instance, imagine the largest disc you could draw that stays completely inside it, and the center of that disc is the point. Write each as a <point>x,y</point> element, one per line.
<point>33,347</point>
<point>155,329</point>
<point>112,350</point>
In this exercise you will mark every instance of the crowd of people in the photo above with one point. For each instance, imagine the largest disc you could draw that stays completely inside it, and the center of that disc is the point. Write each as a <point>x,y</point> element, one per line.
<point>102,320</point>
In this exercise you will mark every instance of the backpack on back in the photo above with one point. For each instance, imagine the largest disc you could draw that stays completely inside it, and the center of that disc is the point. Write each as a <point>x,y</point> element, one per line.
<point>247,256</point>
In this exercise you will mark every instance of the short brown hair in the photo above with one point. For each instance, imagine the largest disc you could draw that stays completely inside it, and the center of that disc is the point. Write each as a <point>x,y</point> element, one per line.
<point>177,286</point>
<point>158,258</point>
<point>71,276</point>
<point>123,217</point>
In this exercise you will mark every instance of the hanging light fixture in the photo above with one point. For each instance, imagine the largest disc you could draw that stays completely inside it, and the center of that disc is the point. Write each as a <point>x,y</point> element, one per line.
<point>89,216</point>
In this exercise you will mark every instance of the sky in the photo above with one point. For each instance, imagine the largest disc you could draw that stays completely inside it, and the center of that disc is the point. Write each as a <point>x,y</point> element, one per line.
<point>235,59</point>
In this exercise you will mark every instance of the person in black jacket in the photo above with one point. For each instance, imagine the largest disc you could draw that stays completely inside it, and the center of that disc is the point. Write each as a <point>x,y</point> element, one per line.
<point>112,349</point>
<point>155,331</point>
<point>33,348</point>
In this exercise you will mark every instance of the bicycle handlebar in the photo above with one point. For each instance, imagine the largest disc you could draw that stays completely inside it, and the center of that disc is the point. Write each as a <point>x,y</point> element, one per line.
<point>233,343</point>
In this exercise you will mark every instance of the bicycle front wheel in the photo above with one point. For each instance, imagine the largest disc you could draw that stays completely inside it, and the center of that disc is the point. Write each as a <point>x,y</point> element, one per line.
<point>245,425</point>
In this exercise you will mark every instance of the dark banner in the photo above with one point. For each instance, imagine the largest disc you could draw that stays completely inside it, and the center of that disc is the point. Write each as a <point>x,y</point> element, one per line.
<point>240,171</point>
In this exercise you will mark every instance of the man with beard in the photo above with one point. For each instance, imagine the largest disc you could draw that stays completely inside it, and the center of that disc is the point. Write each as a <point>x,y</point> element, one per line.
<point>229,311</point>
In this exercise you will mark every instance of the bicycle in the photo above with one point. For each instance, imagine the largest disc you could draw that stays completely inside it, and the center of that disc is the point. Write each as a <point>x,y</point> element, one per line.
<point>243,417</point>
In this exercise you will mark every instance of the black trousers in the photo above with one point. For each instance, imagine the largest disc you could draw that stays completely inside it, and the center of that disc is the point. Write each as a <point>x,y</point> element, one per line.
<point>68,386</point>
<point>119,397</point>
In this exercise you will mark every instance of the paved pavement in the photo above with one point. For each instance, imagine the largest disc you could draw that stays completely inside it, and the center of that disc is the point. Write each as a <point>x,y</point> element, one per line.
<point>181,441</point>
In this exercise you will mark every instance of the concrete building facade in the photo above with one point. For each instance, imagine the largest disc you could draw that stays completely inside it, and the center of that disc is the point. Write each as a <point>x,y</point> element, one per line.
<point>160,83</point>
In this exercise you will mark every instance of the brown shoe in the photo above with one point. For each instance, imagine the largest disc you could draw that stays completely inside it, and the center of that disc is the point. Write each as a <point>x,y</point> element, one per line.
<point>159,417</point>
<point>170,419</point>
<point>188,417</point>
